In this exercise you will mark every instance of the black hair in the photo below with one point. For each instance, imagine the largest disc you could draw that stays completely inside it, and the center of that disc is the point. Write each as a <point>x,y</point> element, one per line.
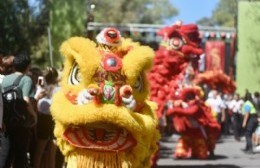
<point>34,73</point>
<point>51,75</point>
<point>237,94</point>
<point>257,94</point>
<point>21,62</point>
<point>248,97</point>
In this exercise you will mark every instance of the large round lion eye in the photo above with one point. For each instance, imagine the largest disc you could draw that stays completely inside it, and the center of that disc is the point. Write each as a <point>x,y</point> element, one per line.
<point>176,42</point>
<point>190,96</point>
<point>75,75</point>
<point>139,84</point>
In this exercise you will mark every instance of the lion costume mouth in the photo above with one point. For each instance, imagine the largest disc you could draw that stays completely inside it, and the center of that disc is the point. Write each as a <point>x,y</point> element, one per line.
<point>102,137</point>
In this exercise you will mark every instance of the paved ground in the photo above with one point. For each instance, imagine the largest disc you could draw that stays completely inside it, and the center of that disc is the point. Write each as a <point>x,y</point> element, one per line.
<point>228,155</point>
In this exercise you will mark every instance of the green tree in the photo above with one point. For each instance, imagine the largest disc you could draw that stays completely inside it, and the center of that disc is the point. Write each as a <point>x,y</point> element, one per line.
<point>134,11</point>
<point>22,25</point>
<point>67,19</point>
<point>224,15</point>
<point>40,49</point>
<point>205,21</point>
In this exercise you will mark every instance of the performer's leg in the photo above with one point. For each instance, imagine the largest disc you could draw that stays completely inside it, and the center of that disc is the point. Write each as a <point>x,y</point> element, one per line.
<point>199,148</point>
<point>211,142</point>
<point>182,150</point>
<point>212,137</point>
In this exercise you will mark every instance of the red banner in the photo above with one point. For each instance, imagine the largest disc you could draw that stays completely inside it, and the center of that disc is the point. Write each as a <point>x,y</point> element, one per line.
<point>215,55</point>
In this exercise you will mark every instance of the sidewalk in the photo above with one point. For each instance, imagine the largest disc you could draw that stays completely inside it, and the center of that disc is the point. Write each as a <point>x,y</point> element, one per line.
<point>228,155</point>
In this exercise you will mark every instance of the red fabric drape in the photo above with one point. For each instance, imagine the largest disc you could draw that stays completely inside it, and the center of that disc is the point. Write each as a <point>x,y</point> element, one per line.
<point>215,55</point>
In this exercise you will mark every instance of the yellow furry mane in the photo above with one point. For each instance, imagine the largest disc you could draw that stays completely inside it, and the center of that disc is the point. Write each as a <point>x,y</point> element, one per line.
<point>101,117</point>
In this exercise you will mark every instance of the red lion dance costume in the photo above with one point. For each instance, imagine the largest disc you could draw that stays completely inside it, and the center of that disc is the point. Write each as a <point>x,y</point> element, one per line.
<point>172,86</point>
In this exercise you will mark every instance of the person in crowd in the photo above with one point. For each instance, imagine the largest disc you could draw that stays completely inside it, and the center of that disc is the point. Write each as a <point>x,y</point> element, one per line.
<point>1,79</point>
<point>19,134</point>
<point>227,99</point>
<point>256,134</point>
<point>256,100</point>
<point>237,117</point>
<point>7,62</point>
<point>223,107</point>
<point>249,122</point>
<point>217,105</point>
<point>4,140</point>
<point>45,127</point>
<point>256,137</point>
<point>34,73</point>
<point>6,67</point>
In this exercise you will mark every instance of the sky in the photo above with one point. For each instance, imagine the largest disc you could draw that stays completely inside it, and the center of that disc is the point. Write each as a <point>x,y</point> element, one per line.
<point>191,11</point>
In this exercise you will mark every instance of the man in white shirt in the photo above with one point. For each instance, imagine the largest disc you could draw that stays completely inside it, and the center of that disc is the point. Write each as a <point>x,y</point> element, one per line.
<point>237,117</point>
<point>218,106</point>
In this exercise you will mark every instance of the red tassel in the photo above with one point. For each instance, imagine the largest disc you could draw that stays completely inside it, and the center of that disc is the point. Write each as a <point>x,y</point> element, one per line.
<point>117,96</point>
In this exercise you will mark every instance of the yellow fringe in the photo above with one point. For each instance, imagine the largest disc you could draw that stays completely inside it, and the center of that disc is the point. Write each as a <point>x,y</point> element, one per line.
<point>98,160</point>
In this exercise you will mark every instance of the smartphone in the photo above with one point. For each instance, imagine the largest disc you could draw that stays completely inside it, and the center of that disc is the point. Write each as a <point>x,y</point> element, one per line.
<point>40,80</point>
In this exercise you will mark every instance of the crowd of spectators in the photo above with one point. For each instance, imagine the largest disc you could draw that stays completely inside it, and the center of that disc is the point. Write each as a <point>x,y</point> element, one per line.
<point>31,144</point>
<point>238,116</point>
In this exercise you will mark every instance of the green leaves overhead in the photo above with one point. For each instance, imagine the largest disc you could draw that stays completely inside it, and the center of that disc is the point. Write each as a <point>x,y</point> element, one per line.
<point>68,18</point>
<point>133,11</point>
<point>24,23</point>
<point>224,15</point>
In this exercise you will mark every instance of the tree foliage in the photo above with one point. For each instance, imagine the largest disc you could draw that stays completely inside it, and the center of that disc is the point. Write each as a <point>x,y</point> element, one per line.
<point>68,18</point>
<point>224,15</point>
<point>22,25</point>
<point>134,11</point>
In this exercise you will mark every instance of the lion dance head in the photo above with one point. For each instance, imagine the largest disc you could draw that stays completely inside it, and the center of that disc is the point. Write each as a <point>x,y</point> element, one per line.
<point>180,48</point>
<point>102,114</point>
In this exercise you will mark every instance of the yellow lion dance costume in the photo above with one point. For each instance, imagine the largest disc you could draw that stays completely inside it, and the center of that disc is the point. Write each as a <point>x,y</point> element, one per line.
<point>102,115</point>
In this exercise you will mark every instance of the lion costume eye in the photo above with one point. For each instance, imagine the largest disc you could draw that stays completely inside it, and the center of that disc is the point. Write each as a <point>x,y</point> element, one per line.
<point>139,84</point>
<point>189,96</point>
<point>176,43</point>
<point>75,75</point>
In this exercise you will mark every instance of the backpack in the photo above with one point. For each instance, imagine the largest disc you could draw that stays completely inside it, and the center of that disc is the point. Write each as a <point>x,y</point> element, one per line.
<point>15,107</point>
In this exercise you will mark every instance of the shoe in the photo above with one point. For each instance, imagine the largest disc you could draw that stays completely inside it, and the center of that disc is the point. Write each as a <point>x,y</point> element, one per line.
<point>244,150</point>
<point>257,148</point>
<point>237,139</point>
<point>211,155</point>
<point>249,152</point>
